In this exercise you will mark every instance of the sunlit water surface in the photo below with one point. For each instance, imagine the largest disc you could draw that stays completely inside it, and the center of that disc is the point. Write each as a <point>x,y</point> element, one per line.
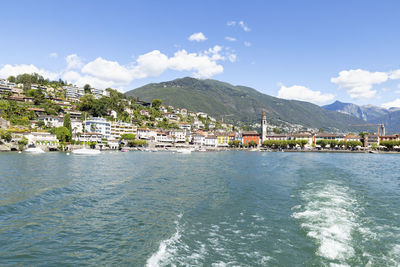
<point>207,209</point>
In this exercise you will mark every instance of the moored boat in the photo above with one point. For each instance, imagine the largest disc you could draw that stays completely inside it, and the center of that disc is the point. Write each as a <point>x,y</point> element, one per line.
<point>86,151</point>
<point>34,150</point>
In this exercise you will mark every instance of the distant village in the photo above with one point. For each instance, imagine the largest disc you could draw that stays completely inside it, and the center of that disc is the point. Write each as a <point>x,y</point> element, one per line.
<point>57,116</point>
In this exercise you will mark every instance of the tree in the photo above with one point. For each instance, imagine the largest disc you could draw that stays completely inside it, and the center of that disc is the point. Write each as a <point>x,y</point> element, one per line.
<point>137,143</point>
<point>322,143</point>
<point>128,137</point>
<point>12,79</point>
<point>277,130</point>
<point>156,103</point>
<point>40,124</point>
<point>5,135</point>
<point>21,143</point>
<point>87,89</point>
<point>67,123</point>
<point>62,133</point>
<point>235,143</point>
<point>25,79</point>
<point>252,144</point>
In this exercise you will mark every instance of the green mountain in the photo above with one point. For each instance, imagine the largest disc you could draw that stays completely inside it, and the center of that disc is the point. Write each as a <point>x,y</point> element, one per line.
<point>241,103</point>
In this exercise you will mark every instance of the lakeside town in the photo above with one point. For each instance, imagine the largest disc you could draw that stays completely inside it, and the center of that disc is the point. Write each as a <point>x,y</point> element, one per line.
<point>57,116</point>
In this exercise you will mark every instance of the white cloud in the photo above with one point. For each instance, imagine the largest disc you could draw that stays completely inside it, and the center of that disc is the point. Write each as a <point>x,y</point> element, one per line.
<point>241,24</point>
<point>393,104</point>
<point>153,63</point>
<point>74,62</point>
<point>103,73</point>
<point>198,37</point>
<point>244,26</point>
<point>394,75</point>
<point>230,39</point>
<point>8,70</point>
<point>298,92</point>
<point>247,44</point>
<point>107,70</point>
<point>53,55</point>
<point>202,65</point>
<point>358,83</point>
<point>232,57</point>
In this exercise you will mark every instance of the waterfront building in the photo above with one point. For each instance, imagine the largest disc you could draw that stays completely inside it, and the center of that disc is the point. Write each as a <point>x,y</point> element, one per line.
<point>222,140</point>
<point>120,128</point>
<point>210,140</point>
<point>371,139</point>
<point>113,143</point>
<point>42,138</point>
<point>352,137</point>
<point>248,136</point>
<point>164,137</point>
<point>198,139</point>
<point>146,134</point>
<point>90,137</point>
<point>304,136</point>
<point>98,125</point>
<point>328,136</point>
<point>278,137</point>
<point>76,126</point>
<point>393,137</point>
<point>178,135</point>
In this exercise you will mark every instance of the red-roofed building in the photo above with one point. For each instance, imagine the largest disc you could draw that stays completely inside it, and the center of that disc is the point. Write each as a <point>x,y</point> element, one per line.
<point>248,136</point>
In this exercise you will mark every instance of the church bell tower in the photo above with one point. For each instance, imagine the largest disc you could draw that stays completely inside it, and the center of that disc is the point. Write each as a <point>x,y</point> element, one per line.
<point>263,127</point>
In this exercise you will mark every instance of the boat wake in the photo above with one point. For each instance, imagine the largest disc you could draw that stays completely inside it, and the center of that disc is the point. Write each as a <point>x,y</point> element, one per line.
<point>329,216</point>
<point>200,244</point>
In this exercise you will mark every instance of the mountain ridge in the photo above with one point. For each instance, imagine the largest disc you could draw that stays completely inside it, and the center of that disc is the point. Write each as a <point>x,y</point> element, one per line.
<point>370,114</point>
<point>241,103</point>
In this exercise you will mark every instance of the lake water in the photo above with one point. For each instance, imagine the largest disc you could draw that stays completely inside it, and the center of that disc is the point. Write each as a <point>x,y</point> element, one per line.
<point>202,209</point>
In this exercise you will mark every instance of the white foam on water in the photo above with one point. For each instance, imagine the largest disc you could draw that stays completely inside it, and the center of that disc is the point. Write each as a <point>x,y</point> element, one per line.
<point>192,244</point>
<point>166,249</point>
<point>329,215</point>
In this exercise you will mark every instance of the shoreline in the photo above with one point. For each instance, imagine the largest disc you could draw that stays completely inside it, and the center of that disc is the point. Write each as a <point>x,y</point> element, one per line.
<point>236,149</point>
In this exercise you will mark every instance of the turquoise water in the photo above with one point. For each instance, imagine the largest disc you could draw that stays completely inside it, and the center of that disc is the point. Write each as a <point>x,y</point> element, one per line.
<point>207,209</point>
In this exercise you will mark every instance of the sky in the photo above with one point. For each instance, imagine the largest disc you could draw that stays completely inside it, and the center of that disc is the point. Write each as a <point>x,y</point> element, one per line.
<point>316,51</point>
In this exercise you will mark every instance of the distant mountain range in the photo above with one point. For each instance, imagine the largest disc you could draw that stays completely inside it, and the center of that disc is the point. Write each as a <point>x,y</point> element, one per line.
<point>370,114</point>
<point>241,103</point>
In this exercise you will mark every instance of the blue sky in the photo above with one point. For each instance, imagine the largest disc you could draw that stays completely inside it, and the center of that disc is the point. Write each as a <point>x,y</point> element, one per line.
<point>317,51</point>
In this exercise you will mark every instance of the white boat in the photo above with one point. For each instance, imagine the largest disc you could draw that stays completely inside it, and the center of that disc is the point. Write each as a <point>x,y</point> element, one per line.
<point>35,150</point>
<point>86,151</point>
<point>184,151</point>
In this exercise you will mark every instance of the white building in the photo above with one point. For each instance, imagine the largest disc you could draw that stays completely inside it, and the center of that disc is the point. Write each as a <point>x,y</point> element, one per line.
<point>198,139</point>
<point>74,91</point>
<point>178,135</point>
<point>184,126</point>
<point>90,137</point>
<point>146,134</point>
<point>211,141</point>
<point>98,125</point>
<point>164,137</point>
<point>198,124</point>
<point>39,138</point>
<point>120,128</point>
